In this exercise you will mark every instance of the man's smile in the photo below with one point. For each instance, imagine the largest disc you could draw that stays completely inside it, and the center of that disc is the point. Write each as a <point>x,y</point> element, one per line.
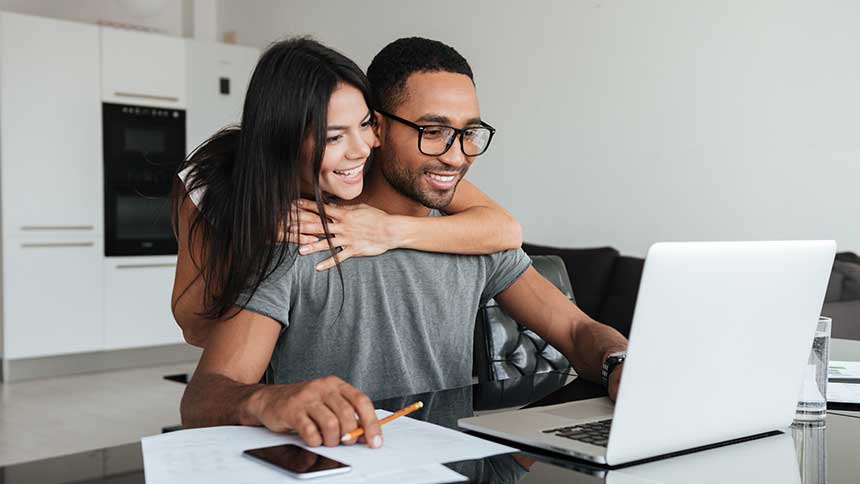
<point>442,180</point>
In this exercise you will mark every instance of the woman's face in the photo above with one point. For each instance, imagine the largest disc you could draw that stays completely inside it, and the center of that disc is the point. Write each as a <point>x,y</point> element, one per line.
<point>349,140</point>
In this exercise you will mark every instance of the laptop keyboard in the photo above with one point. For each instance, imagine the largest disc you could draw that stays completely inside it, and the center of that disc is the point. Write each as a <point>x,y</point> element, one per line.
<point>595,433</point>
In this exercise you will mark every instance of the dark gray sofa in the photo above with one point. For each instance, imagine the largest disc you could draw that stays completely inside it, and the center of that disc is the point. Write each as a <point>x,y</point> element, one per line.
<point>842,302</point>
<point>606,283</point>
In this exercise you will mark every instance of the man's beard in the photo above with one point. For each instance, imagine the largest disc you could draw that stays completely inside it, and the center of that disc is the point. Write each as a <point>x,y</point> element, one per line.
<point>410,182</point>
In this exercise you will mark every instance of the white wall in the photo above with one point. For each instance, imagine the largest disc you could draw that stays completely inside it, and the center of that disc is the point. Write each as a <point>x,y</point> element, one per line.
<point>627,122</point>
<point>162,15</point>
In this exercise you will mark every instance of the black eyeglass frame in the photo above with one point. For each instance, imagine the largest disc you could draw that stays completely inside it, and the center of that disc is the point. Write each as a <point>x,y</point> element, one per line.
<point>458,133</point>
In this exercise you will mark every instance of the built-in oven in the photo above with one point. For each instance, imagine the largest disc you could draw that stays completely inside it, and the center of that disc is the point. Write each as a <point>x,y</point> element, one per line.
<point>142,148</point>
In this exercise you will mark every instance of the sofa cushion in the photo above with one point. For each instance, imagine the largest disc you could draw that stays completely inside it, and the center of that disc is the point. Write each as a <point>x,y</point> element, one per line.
<point>851,282</point>
<point>620,302</point>
<point>589,271</point>
<point>848,257</point>
<point>846,319</point>
<point>834,287</point>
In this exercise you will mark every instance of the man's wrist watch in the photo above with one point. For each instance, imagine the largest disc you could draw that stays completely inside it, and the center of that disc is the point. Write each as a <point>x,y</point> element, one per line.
<point>610,363</point>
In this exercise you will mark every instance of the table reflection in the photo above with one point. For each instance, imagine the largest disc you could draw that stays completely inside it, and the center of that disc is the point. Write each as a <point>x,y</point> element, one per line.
<point>445,408</point>
<point>810,443</point>
<point>807,453</point>
<point>797,456</point>
<point>766,460</point>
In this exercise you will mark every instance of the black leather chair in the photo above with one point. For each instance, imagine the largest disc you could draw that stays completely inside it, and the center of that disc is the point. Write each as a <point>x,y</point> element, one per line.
<point>513,363</point>
<point>505,348</point>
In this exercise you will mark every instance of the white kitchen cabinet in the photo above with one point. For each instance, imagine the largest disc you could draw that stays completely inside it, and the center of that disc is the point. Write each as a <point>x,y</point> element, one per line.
<point>142,68</point>
<point>50,126</point>
<point>137,302</point>
<point>52,295</point>
<point>60,294</point>
<point>212,69</point>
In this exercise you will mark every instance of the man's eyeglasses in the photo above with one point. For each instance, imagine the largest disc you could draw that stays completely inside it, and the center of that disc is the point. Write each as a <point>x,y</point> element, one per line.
<point>436,140</point>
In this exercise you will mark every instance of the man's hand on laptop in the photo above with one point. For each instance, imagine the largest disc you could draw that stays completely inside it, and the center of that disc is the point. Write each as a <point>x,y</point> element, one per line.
<point>320,410</point>
<point>615,381</point>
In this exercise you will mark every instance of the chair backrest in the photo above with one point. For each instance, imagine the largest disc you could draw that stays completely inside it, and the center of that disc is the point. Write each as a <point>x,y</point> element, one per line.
<point>504,348</point>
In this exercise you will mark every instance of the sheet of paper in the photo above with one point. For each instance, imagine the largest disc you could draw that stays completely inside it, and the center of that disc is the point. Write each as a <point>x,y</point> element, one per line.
<point>843,369</point>
<point>412,453</point>
<point>843,392</point>
<point>415,441</point>
<point>214,455</point>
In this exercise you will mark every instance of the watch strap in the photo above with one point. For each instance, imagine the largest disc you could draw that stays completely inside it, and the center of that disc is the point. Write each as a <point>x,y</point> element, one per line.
<point>609,364</point>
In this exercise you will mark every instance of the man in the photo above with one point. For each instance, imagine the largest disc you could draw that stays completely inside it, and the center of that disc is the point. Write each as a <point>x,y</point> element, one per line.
<point>398,323</point>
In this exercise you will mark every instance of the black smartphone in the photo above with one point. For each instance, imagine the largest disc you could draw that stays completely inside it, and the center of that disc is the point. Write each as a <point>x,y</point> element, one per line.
<point>298,461</point>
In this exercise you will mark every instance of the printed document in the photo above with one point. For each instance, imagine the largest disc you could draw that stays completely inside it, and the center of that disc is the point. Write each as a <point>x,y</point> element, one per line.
<point>412,453</point>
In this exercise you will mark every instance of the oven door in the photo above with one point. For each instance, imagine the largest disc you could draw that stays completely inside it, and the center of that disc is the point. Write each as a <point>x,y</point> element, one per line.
<point>143,147</point>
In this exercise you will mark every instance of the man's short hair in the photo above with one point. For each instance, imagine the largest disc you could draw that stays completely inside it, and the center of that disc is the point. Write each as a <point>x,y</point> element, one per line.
<point>393,65</point>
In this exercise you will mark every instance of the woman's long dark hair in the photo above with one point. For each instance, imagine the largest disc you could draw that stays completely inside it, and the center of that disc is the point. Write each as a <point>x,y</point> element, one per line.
<point>250,175</point>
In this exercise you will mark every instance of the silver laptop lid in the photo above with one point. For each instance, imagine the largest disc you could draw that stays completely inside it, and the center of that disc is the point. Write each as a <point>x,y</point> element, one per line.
<point>720,337</point>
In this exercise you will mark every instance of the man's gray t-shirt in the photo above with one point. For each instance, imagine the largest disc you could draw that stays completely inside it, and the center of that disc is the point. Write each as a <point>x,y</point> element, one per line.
<point>398,323</point>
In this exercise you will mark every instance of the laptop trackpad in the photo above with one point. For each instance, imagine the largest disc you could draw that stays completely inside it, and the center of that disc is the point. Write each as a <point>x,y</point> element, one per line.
<point>595,407</point>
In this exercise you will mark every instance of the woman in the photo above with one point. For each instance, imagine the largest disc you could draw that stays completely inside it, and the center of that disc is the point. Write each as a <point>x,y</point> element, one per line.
<point>306,131</point>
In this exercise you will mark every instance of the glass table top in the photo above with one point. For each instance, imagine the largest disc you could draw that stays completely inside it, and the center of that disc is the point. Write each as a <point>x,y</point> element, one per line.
<point>828,451</point>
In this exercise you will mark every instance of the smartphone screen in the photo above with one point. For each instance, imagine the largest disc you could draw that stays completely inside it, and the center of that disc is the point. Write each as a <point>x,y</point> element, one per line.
<point>298,461</point>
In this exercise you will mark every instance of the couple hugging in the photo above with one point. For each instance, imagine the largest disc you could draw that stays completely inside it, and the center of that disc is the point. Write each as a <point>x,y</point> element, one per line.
<point>330,247</point>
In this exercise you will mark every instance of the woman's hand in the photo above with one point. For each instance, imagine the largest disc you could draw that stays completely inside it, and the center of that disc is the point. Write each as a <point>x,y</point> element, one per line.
<point>302,217</point>
<point>359,230</point>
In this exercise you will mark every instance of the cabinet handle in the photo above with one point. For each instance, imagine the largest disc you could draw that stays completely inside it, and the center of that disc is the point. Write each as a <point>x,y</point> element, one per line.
<point>146,96</point>
<point>30,228</point>
<point>145,266</point>
<point>56,244</point>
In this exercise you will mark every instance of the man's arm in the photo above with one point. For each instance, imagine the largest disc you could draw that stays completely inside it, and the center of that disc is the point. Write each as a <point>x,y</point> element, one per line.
<point>224,389</point>
<point>537,304</point>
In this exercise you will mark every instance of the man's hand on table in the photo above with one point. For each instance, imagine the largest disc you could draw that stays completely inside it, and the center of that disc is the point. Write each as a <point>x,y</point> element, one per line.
<point>320,410</point>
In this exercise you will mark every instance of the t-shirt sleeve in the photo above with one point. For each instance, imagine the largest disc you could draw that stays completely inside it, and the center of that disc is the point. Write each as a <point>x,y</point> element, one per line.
<point>504,269</point>
<point>195,195</point>
<point>272,298</point>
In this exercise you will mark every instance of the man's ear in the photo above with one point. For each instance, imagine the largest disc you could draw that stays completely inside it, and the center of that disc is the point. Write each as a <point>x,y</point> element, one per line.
<point>378,130</point>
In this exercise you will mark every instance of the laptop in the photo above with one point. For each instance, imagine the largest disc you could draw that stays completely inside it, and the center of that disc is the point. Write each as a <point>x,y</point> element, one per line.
<point>720,337</point>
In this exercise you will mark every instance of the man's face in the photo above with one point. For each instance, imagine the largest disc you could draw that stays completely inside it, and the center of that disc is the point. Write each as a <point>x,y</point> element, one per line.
<point>432,98</point>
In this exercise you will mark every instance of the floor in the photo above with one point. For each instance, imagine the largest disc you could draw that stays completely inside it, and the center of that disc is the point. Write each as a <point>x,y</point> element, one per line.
<point>58,416</point>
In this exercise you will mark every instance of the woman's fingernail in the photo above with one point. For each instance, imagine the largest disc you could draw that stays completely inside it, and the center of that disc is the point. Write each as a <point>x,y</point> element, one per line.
<point>303,250</point>
<point>319,267</point>
<point>377,442</point>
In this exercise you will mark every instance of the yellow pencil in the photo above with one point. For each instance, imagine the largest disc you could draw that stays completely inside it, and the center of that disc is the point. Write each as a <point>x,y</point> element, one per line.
<point>360,431</point>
